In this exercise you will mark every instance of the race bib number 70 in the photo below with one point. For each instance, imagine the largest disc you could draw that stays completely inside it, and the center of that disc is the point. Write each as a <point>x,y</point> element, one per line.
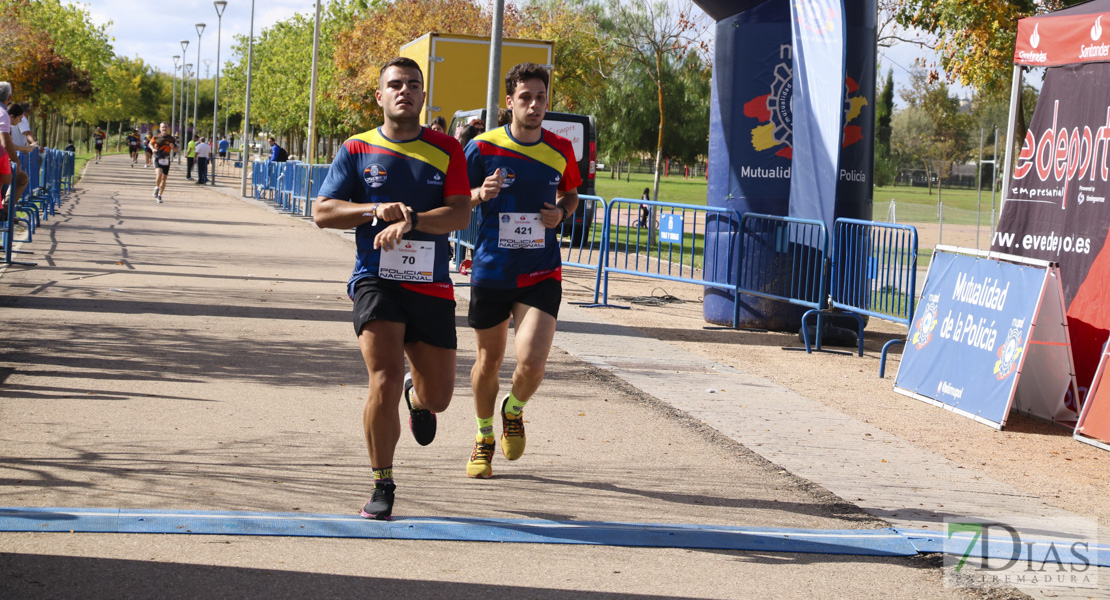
<point>408,261</point>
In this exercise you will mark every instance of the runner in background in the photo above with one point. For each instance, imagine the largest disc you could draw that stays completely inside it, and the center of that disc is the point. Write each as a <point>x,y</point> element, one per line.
<point>98,143</point>
<point>147,149</point>
<point>133,143</point>
<point>162,145</point>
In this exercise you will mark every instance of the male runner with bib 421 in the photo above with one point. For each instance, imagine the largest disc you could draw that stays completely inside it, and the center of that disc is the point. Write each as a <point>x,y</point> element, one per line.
<point>526,180</point>
<point>403,188</point>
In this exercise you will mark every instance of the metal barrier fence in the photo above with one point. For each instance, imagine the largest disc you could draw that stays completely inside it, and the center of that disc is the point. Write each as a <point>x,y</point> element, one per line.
<point>875,273</point>
<point>49,175</point>
<point>785,259</point>
<point>686,236</point>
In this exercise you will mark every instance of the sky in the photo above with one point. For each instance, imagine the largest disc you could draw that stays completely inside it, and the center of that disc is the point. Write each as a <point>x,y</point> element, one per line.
<point>152,31</point>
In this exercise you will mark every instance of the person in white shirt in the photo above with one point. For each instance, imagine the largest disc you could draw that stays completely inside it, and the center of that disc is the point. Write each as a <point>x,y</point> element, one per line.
<point>204,153</point>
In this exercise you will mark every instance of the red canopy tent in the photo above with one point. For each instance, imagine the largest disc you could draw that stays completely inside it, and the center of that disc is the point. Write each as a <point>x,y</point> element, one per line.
<point>1055,189</point>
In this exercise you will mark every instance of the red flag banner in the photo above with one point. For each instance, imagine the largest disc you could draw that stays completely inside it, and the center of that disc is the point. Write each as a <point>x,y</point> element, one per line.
<point>1056,209</point>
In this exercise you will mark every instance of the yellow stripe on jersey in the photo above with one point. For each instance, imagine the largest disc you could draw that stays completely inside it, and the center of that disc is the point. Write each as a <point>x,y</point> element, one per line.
<point>417,149</point>
<point>540,152</point>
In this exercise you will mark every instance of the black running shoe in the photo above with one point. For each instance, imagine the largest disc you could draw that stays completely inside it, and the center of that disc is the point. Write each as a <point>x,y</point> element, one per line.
<point>380,506</point>
<point>422,422</point>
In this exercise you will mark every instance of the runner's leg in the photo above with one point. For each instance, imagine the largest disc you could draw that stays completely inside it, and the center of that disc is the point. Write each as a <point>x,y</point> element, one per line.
<point>535,330</point>
<point>433,375</point>
<point>383,350</point>
<point>487,365</point>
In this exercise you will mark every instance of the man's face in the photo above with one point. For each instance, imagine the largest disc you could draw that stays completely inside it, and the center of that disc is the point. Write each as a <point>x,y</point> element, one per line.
<point>528,103</point>
<point>400,93</point>
<point>163,128</point>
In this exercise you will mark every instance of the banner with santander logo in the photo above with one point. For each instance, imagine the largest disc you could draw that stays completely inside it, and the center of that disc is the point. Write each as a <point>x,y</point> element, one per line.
<point>1055,207</point>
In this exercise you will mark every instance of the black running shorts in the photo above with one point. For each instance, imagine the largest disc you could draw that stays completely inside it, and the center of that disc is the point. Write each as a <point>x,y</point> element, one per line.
<point>490,307</point>
<point>159,159</point>
<point>427,319</point>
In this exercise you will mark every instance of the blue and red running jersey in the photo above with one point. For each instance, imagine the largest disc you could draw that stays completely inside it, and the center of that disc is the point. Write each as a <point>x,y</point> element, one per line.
<point>371,168</point>
<point>533,175</point>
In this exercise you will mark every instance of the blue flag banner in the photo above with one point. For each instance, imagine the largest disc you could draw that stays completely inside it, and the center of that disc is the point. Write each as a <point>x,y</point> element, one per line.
<point>818,107</point>
<point>982,325</point>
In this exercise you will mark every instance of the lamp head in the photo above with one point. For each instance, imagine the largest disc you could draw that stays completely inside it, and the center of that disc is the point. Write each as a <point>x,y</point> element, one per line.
<point>184,45</point>
<point>176,59</point>
<point>200,29</point>
<point>220,6</point>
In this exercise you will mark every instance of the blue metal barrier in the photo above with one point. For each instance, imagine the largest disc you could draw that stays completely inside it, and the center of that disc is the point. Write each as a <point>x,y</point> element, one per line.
<point>875,273</point>
<point>785,259</point>
<point>296,188</point>
<point>676,254</point>
<point>259,178</point>
<point>317,175</point>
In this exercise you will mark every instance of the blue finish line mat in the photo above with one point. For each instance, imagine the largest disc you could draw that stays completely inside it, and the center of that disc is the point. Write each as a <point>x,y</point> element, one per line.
<point>855,542</point>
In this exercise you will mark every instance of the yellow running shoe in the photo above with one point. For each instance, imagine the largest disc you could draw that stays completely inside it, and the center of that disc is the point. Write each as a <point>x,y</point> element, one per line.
<point>512,437</point>
<point>479,465</point>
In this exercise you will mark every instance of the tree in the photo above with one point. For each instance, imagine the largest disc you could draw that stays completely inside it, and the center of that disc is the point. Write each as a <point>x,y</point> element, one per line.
<point>949,138</point>
<point>650,33</point>
<point>973,38</point>
<point>884,166</point>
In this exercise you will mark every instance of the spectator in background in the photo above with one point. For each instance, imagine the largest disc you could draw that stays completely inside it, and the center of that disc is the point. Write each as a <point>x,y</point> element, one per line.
<point>18,175</point>
<point>438,124</point>
<point>645,211</point>
<point>470,132</point>
<point>25,125</point>
<point>504,117</point>
<point>71,148</point>
<point>204,153</point>
<point>190,157</point>
<point>277,153</point>
<point>17,113</point>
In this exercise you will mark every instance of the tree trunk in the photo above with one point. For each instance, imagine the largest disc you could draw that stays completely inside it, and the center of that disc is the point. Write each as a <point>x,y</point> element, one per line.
<point>659,142</point>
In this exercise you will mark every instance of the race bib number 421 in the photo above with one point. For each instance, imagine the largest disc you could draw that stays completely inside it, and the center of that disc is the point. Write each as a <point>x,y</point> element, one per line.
<point>520,230</point>
<point>408,261</point>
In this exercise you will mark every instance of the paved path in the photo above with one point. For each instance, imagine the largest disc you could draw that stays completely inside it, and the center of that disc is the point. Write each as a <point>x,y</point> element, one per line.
<point>198,355</point>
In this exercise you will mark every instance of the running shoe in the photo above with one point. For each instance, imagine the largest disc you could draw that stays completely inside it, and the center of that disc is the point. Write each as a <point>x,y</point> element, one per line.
<point>159,198</point>
<point>480,464</point>
<point>512,436</point>
<point>155,191</point>
<point>380,506</point>
<point>422,422</point>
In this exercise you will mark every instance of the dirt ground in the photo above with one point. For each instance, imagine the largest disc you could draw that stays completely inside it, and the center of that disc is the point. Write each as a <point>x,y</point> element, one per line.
<point>1033,456</point>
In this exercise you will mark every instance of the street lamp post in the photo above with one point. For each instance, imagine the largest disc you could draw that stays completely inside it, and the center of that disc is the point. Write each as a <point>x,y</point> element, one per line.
<point>196,79</point>
<point>186,70</point>
<point>247,109</point>
<point>220,5</point>
<point>181,113</point>
<point>312,104</point>
<point>173,102</point>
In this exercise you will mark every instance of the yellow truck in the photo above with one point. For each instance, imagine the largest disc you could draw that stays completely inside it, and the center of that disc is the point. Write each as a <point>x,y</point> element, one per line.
<point>456,68</point>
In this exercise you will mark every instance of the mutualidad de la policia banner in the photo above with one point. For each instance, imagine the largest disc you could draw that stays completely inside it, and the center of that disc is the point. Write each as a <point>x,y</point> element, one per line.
<point>983,325</point>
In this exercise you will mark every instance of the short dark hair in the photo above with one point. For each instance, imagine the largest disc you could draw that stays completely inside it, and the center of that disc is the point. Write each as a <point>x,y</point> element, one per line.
<point>504,116</point>
<point>523,72</point>
<point>440,121</point>
<point>15,110</point>
<point>401,61</point>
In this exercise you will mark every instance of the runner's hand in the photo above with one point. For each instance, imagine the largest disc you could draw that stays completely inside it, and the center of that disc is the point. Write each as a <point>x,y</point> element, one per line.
<point>394,232</point>
<point>551,215</point>
<point>393,211</point>
<point>491,187</point>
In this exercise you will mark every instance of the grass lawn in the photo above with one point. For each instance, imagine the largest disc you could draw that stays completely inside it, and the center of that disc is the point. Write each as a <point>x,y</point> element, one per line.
<point>671,189</point>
